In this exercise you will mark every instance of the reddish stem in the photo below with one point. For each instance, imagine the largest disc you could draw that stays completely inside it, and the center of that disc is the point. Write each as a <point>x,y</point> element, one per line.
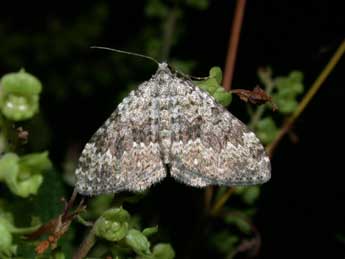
<point>233,44</point>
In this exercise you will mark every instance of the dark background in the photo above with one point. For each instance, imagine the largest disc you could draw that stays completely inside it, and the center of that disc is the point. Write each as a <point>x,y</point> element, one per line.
<point>301,210</point>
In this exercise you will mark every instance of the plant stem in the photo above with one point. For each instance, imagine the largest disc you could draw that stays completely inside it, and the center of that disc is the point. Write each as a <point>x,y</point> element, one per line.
<point>307,98</point>
<point>233,44</point>
<point>221,201</point>
<point>169,29</point>
<point>227,81</point>
<point>86,245</point>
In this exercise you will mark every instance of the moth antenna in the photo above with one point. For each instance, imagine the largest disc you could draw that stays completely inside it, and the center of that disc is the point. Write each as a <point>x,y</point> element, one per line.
<point>126,52</point>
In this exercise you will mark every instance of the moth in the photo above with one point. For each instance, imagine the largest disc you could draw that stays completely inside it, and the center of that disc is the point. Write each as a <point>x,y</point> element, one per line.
<point>168,125</point>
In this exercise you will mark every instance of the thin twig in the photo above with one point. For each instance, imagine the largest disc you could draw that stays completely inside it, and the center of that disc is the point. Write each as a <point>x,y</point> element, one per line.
<point>86,245</point>
<point>221,201</point>
<point>307,98</point>
<point>233,44</point>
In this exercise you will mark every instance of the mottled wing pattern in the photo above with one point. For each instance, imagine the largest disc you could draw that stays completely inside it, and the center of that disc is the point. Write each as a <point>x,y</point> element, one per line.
<point>124,153</point>
<point>169,121</point>
<point>210,146</point>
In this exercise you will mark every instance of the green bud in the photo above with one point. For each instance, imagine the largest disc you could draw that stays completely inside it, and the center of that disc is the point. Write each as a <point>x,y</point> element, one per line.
<point>216,72</point>
<point>222,97</point>
<point>163,251</point>
<point>20,83</point>
<point>138,242</point>
<point>23,175</point>
<point>19,95</point>
<point>150,231</point>
<point>113,224</point>
<point>209,85</point>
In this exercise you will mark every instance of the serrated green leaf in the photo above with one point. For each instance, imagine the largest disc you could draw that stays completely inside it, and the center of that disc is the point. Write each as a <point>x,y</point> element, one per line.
<point>163,251</point>
<point>138,242</point>
<point>296,76</point>
<point>222,97</point>
<point>216,72</point>
<point>266,130</point>
<point>150,231</point>
<point>291,85</point>
<point>285,105</point>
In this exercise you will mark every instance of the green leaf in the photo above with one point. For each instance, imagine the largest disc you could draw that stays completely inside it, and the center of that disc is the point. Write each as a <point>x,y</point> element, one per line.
<point>224,241</point>
<point>36,163</point>
<point>155,8</point>
<point>285,105</point>
<point>240,221</point>
<point>296,76</point>
<point>163,251</point>
<point>150,231</point>
<point>251,194</point>
<point>5,237</point>
<point>21,183</point>
<point>266,130</point>
<point>113,224</point>
<point>216,72</point>
<point>292,84</point>
<point>209,85</point>
<point>198,4</point>
<point>138,242</point>
<point>58,255</point>
<point>223,97</point>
